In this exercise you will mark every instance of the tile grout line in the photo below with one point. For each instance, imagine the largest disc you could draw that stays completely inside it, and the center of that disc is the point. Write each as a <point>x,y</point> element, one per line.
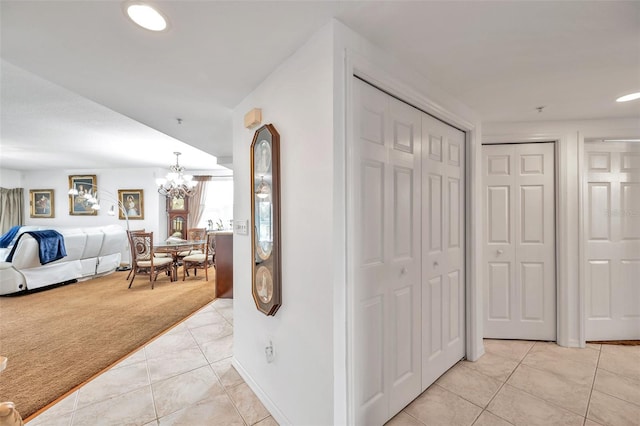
<point>75,406</point>
<point>504,383</point>
<point>188,329</point>
<point>459,396</point>
<point>550,402</point>
<point>592,385</point>
<point>224,388</point>
<point>560,377</point>
<point>617,375</point>
<point>153,396</point>
<point>408,414</point>
<point>235,406</point>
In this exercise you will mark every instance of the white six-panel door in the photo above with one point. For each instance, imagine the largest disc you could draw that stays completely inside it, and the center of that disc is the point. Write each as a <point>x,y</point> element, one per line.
<point>443,291</point>
<point>612,234</point>
<point>387,279</point>
<point>408,319</point>
<point>519,241</point>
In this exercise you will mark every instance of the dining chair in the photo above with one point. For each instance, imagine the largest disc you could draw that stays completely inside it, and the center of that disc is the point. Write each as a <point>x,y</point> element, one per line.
<point>201,261</point>
<point>144,261</point>
<point>193,234</point>
<point>131,253</point>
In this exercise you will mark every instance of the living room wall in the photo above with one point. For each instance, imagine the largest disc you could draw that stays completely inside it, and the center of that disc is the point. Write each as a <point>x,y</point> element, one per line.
<point>109,181</point>
<point>10,178</point>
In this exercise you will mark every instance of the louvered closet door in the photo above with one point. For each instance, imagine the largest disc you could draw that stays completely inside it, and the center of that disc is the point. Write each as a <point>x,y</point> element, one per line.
<point>386,341</point>
<point>612,234</point>
<point>443,218</point>
<point>519,241</point>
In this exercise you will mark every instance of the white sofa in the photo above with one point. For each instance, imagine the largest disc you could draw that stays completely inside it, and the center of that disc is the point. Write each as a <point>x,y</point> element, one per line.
<point>90,252</point>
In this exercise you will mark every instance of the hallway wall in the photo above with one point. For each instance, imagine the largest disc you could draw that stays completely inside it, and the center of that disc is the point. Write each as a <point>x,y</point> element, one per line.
<point>571,136</point>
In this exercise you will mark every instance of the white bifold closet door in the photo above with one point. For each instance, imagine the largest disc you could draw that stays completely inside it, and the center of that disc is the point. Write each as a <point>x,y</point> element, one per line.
<point>519,241</point>
<point>387,283</point>
<point>612,235</point>
<point>443,245</point>
<point>399,308</point>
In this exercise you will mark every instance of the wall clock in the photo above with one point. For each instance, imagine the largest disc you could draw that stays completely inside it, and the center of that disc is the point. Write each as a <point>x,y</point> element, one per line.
<point>265,219</point>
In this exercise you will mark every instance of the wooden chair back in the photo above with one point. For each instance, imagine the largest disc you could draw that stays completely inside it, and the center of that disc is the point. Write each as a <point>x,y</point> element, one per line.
<point>131,254</point>
<point>202,260</point>
<point>144,260</point>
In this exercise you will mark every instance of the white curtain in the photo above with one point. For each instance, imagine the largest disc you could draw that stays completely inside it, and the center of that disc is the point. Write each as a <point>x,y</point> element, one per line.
<point>198,201</point>
<point>11,208</point>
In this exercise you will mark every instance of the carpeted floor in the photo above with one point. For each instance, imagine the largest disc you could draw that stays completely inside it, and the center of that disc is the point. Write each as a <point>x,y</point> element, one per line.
<point>58,338</point>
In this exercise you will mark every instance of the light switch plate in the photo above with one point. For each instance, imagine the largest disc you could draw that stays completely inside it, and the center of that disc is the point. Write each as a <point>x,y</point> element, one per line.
<point>241,227</point>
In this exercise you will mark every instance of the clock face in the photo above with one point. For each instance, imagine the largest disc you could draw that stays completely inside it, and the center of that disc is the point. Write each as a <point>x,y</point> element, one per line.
<point>177,203</point>
<point>264,284</point>
<point>262,161</point>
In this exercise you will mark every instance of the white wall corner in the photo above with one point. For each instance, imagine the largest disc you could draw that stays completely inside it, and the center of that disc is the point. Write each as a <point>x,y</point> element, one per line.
<point>299,384</point>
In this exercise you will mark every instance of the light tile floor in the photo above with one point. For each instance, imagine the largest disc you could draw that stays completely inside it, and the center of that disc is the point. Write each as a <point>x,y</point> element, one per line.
<point>534,383</point>
<point>184,377</point>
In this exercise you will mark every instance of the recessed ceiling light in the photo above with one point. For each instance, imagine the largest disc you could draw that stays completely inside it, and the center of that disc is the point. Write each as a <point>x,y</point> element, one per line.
<point>147,17</point>
<point>629,97</point>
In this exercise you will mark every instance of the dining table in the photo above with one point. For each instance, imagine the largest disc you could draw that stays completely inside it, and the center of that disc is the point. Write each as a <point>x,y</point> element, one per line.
<point>174,247</point>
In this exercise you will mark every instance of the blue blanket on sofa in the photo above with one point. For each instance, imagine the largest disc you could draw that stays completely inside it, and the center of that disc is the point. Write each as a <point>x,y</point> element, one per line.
<point>5,240</point>
<point>51,245</point>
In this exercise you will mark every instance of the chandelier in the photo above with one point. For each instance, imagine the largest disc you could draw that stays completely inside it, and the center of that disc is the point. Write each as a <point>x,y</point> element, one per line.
<point>176,184</point>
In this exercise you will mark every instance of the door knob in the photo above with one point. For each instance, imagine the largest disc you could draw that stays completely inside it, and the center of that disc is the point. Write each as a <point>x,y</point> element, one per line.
<point>435,264</point>
<point>403,271</point>
<point>499,252</point>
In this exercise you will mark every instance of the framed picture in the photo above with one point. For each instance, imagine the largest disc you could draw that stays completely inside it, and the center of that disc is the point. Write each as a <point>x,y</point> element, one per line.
<point>41,202</point>
<point>265,220</point>
<point>86,186</point>
<point>133,202</point>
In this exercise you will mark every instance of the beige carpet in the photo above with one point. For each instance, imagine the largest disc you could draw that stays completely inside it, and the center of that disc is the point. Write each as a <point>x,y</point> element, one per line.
<point>58,338</point>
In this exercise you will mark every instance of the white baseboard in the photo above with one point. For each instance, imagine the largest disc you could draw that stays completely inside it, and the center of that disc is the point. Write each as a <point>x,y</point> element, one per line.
<point>262,396</point>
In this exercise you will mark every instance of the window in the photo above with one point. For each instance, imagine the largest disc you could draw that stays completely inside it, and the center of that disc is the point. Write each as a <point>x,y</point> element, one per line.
<point>218,206</point>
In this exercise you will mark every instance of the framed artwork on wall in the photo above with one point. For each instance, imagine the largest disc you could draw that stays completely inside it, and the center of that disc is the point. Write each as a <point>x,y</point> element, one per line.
<point>86,186</point>
<point>41,203</point>
<point>133,202</point>
<point>265,220</point>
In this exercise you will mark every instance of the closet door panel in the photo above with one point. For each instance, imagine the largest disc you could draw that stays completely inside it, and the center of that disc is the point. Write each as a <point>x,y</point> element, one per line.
<point>443,295</point>
<point>387,288</point>
<point>371,301</point>
<point>612,249</point>
<point>519,241</point>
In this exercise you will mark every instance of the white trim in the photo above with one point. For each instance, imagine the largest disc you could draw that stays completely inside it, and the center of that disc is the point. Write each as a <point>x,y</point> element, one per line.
<point>261,394</point>
<point>473,241</point>
<point>350,235</point>
<point>340,289</point>
<point>582,312</point>
<point>563,322</point>
<point>356,65</point>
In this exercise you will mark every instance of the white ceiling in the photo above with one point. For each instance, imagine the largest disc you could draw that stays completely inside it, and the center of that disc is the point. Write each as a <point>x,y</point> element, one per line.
<point>45,126</point>
<point>502,59</point>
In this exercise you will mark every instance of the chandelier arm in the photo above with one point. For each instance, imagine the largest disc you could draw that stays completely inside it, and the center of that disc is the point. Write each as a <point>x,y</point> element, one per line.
<point>176,184</point>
